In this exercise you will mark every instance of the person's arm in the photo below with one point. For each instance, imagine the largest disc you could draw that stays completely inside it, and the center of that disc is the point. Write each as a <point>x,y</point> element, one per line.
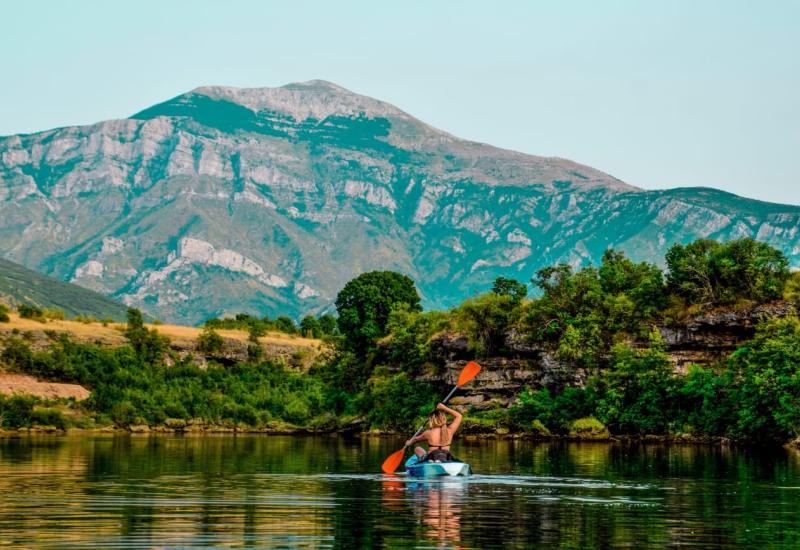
<point>456,417</point>
<point>421,437</point>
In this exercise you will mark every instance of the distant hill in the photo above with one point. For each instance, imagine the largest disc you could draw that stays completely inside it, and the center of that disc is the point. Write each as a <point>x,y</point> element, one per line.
<point>268,200</point>
<point>21,285</point>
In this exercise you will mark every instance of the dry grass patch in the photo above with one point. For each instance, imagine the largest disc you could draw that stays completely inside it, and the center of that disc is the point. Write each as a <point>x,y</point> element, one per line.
<point>83,332</point>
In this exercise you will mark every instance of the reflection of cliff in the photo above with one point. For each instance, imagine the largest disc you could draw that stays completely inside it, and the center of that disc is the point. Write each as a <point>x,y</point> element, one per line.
<point>701,339</point>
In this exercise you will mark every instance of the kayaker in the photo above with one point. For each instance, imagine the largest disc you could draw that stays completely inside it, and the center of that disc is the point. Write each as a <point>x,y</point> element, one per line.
<point>439,435</point>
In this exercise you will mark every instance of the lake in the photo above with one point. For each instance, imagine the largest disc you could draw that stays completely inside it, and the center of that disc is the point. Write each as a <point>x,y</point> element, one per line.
<point>131,491</point>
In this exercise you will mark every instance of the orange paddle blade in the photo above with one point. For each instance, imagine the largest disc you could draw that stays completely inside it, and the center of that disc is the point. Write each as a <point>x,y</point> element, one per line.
<point>390,464</point>
<point>470,371</point>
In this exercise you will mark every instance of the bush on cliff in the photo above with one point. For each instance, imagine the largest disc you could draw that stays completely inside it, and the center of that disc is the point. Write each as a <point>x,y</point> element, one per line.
<point>410,333</point>
<point>707,272</point>
<point>210,342</point>
<point>485,320</point>
<point>583,313</point>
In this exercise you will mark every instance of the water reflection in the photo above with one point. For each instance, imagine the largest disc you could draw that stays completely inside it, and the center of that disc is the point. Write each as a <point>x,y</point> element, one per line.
<point>267,491</point>
<point>436,505</point>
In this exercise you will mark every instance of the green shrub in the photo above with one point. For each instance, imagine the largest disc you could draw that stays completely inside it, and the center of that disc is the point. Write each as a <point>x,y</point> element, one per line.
<point>636,393</point>
<point>537,428</point>
<point>510,287</point>
<point>255,331</point>
<point>17,355</point>
<point>395,402</point>
<point>310,327</point>
<point>254,353</point>
<point>485,320</point>
<point>707,272</point>
<point>791,291</point>
<point>4,318</point>
<point>53,313</point>
<point>410,333</point>
<point>210,342</point>
<point>48,416</point>
<point>765,383</point>
<point>28,311</point>
<point>588,428</point>
<point>16,411</point>
<point>553,410</point>
<point>86,319</point>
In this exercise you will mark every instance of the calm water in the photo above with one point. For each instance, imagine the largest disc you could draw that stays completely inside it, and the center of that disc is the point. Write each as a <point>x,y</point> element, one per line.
<point>322,492</point>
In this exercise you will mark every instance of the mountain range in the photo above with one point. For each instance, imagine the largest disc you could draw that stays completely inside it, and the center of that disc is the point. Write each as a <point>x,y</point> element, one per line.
<point>268,200</point>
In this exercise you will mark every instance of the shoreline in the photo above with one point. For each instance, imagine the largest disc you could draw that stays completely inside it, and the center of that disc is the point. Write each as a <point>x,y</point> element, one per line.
<point>141,430</point>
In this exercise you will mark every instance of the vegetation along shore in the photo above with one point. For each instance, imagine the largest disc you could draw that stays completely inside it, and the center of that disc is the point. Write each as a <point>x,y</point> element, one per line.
<point>706,350</point>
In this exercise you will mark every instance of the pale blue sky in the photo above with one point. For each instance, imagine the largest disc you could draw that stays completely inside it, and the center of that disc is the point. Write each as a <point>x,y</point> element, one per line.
<point>659,94</point>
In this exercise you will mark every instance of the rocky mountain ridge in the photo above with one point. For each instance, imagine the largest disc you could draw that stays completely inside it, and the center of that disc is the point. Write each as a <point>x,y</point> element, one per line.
<point>269,200</point>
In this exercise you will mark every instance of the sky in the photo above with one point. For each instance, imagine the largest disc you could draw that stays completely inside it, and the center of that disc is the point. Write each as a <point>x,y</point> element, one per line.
<point>658,94</point>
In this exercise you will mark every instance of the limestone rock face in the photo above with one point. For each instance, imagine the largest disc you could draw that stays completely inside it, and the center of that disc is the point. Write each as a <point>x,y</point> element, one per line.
<point>268,200</point>
<point>703,340</point>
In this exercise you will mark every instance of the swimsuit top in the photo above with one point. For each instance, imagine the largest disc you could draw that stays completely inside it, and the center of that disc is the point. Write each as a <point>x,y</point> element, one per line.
<point>440,447</point>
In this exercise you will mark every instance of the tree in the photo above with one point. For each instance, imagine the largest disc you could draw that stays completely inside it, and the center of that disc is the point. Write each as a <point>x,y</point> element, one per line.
<point>327,324</point>
<point>486,319</point>
<point>4,318</point>
<point>642,283</point>
<point>148,344</point>
<point>285,324</point>
<point>510,287</point>
<point>310,327</point>
<point>766,382</point>
<point>27,311</point>
<point>706,272</point>
<point>365,302</point>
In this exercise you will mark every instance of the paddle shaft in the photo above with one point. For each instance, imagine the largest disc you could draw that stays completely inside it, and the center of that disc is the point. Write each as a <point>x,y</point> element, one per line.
<point>446,399</point>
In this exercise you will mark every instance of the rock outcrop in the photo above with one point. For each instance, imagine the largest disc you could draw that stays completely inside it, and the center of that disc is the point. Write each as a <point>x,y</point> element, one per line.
<point>702,339</point>
<point>705,339</point>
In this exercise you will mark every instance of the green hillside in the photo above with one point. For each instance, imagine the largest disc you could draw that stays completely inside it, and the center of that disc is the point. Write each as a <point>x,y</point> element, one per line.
<point>21,285</point>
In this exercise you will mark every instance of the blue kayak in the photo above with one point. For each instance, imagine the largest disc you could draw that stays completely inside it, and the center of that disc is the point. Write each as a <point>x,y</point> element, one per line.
<point>434,469</point>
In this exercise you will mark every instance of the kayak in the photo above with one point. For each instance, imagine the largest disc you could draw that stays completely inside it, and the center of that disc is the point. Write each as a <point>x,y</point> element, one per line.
<point>433,469</point>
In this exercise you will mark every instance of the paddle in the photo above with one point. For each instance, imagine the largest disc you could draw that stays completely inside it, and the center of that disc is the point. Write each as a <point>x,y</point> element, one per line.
<point>469,372</point>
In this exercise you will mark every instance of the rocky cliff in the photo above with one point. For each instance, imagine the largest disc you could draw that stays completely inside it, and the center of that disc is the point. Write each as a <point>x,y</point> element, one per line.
<point>701,339</point>
<point>268,200</point>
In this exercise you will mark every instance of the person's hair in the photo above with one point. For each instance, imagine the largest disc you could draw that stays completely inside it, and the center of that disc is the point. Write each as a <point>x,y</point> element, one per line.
<point>437,419</point>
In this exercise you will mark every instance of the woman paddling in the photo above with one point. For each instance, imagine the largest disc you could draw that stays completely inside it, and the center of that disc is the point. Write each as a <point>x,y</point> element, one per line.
<point>439,436</point>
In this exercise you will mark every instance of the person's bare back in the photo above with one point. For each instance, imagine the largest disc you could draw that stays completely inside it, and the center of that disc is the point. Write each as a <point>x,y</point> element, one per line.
<point>439,435</point>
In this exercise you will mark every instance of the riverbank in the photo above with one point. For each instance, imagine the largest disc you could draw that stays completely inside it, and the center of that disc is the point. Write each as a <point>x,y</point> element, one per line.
<point>282,429</point>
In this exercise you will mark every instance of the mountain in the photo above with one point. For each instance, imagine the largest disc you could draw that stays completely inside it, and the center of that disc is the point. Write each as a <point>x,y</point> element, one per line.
<point>268,200</point>
<point>21,285</point>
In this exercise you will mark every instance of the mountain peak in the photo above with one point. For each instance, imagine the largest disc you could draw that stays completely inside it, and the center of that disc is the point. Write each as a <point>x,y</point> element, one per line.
<point>317,99</point>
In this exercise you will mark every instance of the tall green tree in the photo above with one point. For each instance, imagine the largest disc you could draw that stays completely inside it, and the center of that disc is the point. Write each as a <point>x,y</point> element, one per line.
<point>510,287</point>
<point>365,302</point>
<point>148,344</point>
